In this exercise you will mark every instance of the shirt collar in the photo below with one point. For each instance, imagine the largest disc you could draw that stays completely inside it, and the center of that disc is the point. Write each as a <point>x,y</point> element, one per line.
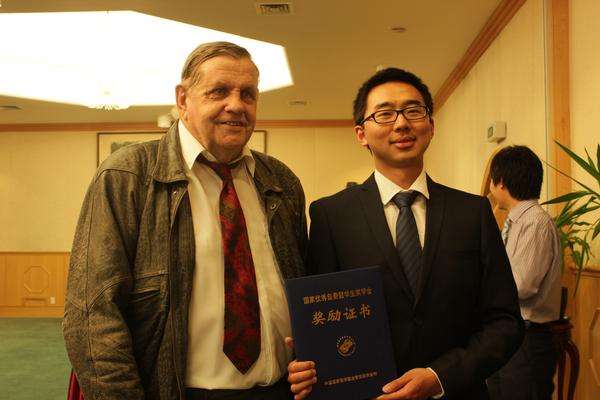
<point>191,149</point>
<point>519,209</point>
<point>388,189</point>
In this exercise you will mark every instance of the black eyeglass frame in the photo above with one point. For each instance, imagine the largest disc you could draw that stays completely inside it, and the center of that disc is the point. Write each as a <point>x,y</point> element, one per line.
<point>398,112</point>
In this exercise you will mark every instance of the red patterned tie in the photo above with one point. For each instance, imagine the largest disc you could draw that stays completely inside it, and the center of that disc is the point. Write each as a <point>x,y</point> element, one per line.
<point>241,342</point>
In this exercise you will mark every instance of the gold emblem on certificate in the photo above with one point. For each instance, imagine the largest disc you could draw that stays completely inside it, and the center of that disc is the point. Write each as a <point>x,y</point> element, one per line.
<point>346,346</point>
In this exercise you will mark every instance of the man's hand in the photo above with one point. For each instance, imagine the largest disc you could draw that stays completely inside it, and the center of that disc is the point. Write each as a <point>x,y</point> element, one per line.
<point>301,375</point>
<point>416,384</point>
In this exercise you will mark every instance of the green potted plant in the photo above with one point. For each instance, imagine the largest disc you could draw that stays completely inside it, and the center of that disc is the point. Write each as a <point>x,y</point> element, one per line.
<point>576,228</point>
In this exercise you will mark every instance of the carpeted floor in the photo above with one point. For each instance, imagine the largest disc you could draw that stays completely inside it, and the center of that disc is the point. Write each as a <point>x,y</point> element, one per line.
<point>33,360</point>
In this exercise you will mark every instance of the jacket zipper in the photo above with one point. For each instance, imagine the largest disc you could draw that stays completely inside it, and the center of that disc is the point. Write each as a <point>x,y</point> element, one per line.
<point>171,312</point>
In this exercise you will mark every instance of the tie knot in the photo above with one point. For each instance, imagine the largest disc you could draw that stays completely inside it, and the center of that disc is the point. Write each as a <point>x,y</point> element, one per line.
<point>221,169</point>
<point>405,199</point>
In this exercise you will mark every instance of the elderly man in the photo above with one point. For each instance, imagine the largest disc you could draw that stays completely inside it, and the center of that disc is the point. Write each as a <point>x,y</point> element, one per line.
<point>175,284</point>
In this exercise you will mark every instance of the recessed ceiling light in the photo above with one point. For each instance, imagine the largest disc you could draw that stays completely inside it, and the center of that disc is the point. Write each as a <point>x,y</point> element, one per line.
<point>112,59</point>
<point>298,103</point>
<point>398,29</point>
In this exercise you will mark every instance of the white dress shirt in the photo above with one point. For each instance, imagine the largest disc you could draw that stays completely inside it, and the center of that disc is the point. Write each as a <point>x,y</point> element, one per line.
<point>207,366</point>
<point>388,189</point>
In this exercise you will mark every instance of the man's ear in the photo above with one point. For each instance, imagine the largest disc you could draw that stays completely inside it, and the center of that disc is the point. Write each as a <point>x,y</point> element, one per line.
<point>180,100</point>
<point>359,130</point>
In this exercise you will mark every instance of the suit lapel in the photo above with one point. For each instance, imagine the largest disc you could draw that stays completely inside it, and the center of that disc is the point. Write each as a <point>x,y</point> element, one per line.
<point>433,225</point>
<point>375,217</point>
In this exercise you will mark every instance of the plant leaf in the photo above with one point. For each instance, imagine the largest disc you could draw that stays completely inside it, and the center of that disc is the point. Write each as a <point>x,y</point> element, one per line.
<point>589,168</point>
<point>596,231</point>
<point>583,210</point>
<point>567,197</point>
<point>574,232</point>
<point>591,161</point>
<point>592,191</point>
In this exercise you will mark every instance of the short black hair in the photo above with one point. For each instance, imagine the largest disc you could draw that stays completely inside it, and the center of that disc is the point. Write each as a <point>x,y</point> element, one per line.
<point>384,76</point>
<point>520,170</point>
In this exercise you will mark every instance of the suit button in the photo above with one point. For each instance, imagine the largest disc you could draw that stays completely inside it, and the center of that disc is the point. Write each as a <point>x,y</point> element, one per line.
<point>418,321</point>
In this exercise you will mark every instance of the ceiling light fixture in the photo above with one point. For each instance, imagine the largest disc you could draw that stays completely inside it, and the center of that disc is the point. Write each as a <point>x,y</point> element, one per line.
<point>398,29</point>
<point>112,59</point>
<point>298,103</point>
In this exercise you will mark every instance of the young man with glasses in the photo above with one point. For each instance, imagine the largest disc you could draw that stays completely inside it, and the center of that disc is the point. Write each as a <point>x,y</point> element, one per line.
<point>450,295</point>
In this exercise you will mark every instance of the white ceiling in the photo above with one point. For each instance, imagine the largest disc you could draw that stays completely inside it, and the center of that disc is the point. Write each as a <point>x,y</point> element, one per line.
<point>332,47</point>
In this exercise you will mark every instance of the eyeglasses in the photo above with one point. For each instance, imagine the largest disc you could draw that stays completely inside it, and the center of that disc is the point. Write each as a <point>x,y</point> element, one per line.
<point>383,117</point>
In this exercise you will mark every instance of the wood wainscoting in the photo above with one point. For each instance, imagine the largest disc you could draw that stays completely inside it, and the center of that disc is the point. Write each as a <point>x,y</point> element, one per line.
<point>33,284</point>
<point>584,311</point>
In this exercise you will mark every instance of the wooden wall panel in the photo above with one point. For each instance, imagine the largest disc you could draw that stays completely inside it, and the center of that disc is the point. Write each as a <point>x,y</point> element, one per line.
<point>3,279</point>
<point>582,309</point>
<point>559,91</point>
<point>33,284</point>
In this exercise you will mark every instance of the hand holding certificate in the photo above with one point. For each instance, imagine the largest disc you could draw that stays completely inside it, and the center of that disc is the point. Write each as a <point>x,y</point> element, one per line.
<point>339,321</point>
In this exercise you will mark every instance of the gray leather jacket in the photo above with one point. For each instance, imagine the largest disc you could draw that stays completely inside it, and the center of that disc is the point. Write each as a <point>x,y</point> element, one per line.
<point>130,275</point>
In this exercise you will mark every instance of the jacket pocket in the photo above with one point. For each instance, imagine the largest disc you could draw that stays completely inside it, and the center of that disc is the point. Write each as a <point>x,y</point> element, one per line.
<point>144,295</point>
<point>147,309</point>
<point>146,290</point>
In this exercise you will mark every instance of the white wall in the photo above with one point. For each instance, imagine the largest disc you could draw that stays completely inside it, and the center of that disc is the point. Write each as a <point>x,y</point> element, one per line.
<point>507,84</point>
<point>325,159</point>
<point>44,176</point>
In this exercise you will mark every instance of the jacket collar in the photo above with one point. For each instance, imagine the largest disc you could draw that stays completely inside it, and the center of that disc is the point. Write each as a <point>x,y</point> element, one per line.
<point>435,215</point>
<point>169,162</point>
<point>375,217</point>
<point>264,175</point>
<point>169,165</point>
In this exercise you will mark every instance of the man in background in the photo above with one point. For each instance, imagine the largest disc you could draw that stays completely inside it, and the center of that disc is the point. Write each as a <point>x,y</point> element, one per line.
<point>450,296</point>
<point>175,283</point>
<point>534,250</point>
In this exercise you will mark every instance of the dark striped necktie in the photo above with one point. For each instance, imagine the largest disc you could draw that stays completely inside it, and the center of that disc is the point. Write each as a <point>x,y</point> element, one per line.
<point>241,341</point>
<point>407,238</point>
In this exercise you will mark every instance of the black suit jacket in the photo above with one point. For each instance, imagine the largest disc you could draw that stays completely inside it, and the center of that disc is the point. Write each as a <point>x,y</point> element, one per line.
<point>464,321</point>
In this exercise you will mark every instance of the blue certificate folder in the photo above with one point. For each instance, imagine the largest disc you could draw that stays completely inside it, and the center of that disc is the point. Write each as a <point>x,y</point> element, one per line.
<point>339,321</point>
